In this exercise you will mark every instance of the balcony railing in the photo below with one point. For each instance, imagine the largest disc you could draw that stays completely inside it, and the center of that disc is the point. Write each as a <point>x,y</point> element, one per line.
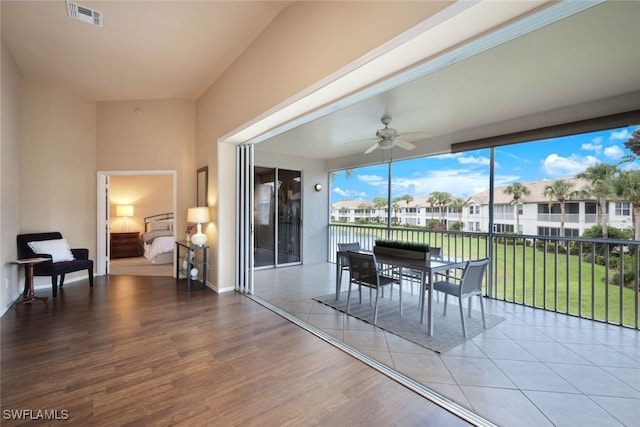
<point>557,218</point>
<point>596,279</point>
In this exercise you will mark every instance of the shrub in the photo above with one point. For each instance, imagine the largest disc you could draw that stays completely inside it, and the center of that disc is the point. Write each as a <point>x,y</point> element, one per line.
<point>401,244</point>
<point>457,226</point>
<point>629,278</point>
<point>434,224</point>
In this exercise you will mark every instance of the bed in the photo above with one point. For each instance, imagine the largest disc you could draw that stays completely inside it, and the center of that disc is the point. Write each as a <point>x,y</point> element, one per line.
<point>158,238</point>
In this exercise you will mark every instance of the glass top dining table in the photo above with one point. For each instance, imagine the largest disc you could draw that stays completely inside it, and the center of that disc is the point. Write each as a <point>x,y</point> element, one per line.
<point>428,270</point>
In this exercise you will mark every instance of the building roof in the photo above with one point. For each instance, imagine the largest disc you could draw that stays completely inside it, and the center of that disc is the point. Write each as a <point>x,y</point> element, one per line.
<point>536,189</point>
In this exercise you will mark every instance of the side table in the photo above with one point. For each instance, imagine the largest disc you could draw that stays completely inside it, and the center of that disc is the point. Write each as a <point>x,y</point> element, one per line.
<point>191,261</point>
<point>28,271</point>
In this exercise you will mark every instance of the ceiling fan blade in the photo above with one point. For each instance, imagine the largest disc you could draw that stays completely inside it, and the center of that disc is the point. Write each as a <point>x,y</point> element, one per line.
<point>370,149</point>
<point>404,144</point>
<point>361,141</point>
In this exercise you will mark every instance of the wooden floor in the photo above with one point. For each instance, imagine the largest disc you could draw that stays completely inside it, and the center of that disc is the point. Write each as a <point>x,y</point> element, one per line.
<point>142,351</point>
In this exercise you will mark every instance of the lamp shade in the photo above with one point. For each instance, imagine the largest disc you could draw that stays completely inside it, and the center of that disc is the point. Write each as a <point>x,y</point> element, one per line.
<point>198,215</point>
<point>124,210</point>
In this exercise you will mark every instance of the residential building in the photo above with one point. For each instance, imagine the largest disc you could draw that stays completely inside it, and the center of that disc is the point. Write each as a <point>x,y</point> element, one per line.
<point>538,215</point>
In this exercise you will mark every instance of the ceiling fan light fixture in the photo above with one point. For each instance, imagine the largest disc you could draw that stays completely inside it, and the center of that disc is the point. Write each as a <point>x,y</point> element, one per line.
<point>389,137</point>
<point>385,144</point>
<point>386,133</point>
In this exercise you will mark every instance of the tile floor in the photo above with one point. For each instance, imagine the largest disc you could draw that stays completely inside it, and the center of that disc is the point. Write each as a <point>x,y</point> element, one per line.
<point>536,368</point>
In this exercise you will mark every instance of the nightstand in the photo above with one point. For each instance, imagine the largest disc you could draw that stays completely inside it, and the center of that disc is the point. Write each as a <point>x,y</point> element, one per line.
<point>125,245</point>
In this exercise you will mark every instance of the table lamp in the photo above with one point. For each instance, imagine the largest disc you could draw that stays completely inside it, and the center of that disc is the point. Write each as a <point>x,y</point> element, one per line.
<point>198,216</point>
<point>125,211</point>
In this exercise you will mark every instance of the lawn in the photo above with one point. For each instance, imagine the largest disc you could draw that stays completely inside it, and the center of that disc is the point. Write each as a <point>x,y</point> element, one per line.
<point>547,279</point>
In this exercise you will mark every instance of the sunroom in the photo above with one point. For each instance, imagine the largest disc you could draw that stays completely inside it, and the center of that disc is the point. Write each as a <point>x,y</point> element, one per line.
<point>525,82</point>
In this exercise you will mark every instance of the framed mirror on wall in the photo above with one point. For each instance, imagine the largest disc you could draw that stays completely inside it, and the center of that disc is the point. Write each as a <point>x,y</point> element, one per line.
<point>202,186</point>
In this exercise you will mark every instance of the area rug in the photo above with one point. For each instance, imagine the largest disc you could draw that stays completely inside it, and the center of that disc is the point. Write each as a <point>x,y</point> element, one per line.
<point>139,266</point>
<point>447,329</point>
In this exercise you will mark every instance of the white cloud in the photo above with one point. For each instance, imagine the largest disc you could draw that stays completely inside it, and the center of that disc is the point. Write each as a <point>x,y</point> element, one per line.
<point>378,182</point>
<point>459,182</point>
<point>447,156</point>
<point>614,152</point>
<point>558,166</point>
<point>372,179</point>
<point>481,160</point>
<point>620,135</point>
<point>349,194</point>
<point>595,147</point>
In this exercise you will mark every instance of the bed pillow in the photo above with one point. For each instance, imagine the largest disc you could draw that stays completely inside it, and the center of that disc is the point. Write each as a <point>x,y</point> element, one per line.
<point>57,248</point>
<point>160,225</point>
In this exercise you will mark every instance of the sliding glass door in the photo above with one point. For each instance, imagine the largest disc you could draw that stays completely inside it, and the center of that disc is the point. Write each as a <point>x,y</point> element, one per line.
<point>278,216</point>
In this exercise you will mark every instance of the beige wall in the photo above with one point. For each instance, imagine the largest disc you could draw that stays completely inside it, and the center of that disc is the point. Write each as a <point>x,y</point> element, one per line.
<point>58,160</point>
<point>306,43</point>
<point>10,90</point>
<point>153,135</point>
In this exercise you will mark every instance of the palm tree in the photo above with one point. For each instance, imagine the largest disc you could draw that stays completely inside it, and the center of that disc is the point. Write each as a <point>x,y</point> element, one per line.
<point>408,198</point>
<point>562,191</point>
<point>516,191</point>
<point>379,203</point>
<point>440,199</point>
<point>458,205</point>
<point>600,176</point>
<point>347,174</point>
<point>627,186</point>
<point>395,207</point>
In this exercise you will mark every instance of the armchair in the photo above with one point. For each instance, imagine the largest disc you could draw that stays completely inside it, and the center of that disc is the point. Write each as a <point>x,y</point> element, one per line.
<point>53,269</point>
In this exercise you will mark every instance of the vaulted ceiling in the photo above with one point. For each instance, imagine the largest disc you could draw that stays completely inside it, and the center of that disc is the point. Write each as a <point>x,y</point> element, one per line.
<point>547,70</point>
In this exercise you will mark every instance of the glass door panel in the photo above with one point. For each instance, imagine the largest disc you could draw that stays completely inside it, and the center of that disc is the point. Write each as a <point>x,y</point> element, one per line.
<point>289,216</point>
<point>265,211</point>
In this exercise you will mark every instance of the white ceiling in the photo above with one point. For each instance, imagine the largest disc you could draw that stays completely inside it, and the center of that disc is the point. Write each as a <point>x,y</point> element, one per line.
<point>180,47</point>
<point>144,50</point>
<point>580,59</point>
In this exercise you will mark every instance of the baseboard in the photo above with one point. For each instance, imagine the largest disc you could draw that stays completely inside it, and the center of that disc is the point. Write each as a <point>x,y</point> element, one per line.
<point>219,290</point>
<point>46,287</point>
<point>12,301</point>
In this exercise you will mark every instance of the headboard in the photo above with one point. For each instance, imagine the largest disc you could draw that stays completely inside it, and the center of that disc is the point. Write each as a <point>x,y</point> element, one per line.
<point>163,221</point>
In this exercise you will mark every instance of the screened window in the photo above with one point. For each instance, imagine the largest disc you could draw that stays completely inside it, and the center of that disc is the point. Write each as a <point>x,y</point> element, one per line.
<point>623,209</point>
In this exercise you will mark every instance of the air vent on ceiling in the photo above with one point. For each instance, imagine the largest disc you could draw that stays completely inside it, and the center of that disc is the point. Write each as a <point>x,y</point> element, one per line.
<point>84,14</point>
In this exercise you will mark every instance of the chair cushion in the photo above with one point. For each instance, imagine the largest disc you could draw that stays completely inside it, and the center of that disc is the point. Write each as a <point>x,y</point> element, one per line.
<point>447,287</point>
<point>58,249</point>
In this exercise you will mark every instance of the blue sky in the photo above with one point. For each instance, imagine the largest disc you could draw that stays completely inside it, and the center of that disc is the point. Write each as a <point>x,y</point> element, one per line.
<point>467,173</point>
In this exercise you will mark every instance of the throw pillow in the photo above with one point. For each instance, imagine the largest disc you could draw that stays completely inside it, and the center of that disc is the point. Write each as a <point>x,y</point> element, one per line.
<point>57,248</point>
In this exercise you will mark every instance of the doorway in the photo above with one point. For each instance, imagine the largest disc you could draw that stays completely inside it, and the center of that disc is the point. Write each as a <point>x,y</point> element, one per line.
<point>277,216</point>
<point>147,193</point>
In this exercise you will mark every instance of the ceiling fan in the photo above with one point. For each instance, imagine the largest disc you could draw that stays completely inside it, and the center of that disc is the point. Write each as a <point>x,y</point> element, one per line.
<point>388,138</point>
